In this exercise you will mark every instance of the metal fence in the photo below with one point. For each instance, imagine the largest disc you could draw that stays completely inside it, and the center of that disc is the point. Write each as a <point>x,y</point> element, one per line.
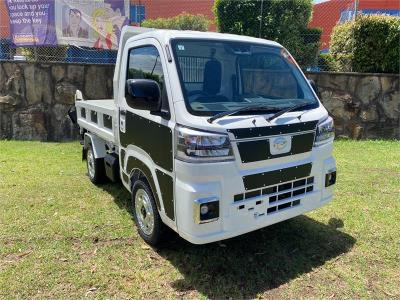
<point>326,14</point>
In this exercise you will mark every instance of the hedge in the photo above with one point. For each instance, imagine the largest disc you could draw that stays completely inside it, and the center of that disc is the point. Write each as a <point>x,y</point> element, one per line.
<point>326,62</point>
<point>368,44</point>
<point>283,21</point>
<point>183,21</point>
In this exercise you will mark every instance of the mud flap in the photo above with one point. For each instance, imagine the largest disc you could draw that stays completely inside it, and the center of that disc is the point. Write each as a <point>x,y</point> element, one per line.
<point>72,114</point>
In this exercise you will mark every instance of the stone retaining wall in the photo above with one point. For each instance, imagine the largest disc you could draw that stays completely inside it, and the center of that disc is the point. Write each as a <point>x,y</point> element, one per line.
<point>363,105</point>
<point>35,97</point>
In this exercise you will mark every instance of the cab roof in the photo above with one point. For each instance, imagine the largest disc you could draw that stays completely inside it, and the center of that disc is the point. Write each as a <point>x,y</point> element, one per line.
<point>166,35</point>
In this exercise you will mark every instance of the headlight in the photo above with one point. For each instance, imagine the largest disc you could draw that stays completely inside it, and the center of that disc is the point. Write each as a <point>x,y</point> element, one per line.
<point>325,132</point>
<point>202,146</point>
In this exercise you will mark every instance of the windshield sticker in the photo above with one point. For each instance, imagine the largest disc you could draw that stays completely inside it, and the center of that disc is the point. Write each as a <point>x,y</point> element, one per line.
<point>181,48</point>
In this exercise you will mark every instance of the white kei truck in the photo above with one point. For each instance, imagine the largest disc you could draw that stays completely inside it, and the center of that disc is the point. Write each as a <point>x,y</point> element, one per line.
<point>214,135</point>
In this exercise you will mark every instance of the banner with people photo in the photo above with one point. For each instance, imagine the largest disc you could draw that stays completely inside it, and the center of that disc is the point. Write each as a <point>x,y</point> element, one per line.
<point>91,23</point>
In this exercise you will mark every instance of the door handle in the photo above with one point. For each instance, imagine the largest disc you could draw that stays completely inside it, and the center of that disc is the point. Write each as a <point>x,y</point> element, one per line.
<point>122,120</point>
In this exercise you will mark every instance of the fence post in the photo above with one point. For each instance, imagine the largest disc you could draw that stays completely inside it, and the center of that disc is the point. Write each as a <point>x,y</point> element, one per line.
<point>356,4</point>
<point>261,17</point>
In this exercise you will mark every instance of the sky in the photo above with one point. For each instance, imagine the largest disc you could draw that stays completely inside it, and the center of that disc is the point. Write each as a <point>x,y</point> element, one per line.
<point>319,1</point>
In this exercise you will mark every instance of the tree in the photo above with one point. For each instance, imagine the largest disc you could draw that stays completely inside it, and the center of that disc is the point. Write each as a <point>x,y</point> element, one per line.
<point>183,21</point>
<point>283,21</point>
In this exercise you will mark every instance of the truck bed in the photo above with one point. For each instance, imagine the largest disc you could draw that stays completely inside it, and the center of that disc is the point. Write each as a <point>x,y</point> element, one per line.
<point>97,116</point>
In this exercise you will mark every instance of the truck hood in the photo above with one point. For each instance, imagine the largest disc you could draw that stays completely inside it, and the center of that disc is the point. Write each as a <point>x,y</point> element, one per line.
<point>183,117</point>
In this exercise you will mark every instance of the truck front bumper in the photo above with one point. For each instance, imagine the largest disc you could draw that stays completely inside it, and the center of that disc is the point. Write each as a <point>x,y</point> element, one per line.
<point>199,183</point>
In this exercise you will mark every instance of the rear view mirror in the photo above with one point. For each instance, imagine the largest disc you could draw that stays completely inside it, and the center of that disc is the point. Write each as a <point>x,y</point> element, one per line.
<point>143,94</point>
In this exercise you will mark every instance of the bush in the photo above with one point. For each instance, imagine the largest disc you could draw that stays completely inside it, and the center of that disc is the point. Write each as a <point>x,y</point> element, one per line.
<point>282,21</point>
<point>369,44</point>
<point>326,62</point>
<point>180,22</point>
<point>342,46</point>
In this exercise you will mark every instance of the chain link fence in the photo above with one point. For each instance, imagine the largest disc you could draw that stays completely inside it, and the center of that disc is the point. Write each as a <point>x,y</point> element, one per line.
<point>325,15</point>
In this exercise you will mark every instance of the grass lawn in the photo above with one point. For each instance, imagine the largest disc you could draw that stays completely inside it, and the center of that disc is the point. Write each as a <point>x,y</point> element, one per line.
<point>62,237</point>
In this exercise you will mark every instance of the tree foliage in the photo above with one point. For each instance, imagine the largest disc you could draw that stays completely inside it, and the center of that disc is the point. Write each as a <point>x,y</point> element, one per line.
<point>368,44</point>
<point>183,21</point>
<point>283,21</point>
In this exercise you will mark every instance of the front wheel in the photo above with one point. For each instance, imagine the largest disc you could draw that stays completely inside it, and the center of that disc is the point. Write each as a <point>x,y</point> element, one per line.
<point>148,222</point>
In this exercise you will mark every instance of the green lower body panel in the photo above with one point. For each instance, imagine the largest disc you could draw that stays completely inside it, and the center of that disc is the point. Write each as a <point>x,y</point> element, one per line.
<point>167,193</point>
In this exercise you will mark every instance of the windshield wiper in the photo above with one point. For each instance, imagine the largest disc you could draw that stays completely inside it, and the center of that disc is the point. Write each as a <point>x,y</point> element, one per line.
<point>246,108</point>
<point>285,110</point>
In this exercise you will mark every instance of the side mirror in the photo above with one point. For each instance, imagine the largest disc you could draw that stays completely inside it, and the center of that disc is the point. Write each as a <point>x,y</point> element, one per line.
<point>143,94</point>
<point>314,86</point>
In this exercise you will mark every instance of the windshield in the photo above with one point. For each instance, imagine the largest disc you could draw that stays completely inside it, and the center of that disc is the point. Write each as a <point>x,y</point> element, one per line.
<point>218,76</point>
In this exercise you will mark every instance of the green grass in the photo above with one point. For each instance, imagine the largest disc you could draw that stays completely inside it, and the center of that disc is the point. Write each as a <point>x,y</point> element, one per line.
<point>62,237</point>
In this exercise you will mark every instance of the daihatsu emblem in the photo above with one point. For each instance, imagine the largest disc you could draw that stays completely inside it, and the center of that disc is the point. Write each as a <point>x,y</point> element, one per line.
<point>280,145</point>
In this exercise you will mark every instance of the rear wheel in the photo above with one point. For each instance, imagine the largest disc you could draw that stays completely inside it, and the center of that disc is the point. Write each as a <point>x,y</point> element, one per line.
<point>95,167</point>
<point>148,222</point>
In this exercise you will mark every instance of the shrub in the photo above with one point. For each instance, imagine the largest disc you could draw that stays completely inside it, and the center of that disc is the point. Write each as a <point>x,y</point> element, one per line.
<point>369,44</point>
<point>282,21</point>
<point>342,46</point>
<point>326,62</point>
<point>183,21</point>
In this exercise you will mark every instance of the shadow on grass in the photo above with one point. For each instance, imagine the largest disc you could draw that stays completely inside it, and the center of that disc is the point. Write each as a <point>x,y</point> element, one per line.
<point>253,263</point>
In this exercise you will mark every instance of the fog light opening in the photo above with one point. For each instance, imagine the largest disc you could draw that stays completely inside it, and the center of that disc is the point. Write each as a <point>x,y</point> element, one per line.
<point>330,178</point>
<point>206,210</point>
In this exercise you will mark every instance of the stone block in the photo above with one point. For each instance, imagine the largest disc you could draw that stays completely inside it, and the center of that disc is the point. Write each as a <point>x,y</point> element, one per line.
<point>61,126</point>
<point>389,83</point>
<point>357,131</point>
<point>58,72</point>
<point>38,84</point>
<point>95,83</point>
<point>5,125</point>
<point>9,68</point>
<point>64,92</point>
<point>332,81</point>
<point>368,88</point>
<point>338,105</point>
<point>76,74</point>
<point>390,105</point>
<point>12,93</point>
<point>369,114</point>
<point>29,125</point>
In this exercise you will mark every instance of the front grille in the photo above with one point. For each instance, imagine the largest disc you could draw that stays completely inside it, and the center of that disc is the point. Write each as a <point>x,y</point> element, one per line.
<point>278,196</point>
<point>280,191</point>
<point>273,209</point>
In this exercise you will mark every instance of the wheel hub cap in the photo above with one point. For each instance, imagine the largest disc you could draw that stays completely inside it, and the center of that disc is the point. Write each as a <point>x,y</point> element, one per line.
<point>144,212</point>
<point>90,163</point>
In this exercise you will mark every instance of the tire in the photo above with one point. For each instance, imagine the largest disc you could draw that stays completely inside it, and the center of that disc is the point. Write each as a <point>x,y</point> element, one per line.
<point>95,167</point>
<point>147,219</point>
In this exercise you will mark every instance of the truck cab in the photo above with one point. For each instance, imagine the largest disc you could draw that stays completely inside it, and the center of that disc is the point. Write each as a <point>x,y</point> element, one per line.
<point>214,135</point>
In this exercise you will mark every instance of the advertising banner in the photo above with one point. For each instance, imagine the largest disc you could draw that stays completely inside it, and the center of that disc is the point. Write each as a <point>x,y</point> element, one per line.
<point>32,22</point>
<point>91,23</point>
